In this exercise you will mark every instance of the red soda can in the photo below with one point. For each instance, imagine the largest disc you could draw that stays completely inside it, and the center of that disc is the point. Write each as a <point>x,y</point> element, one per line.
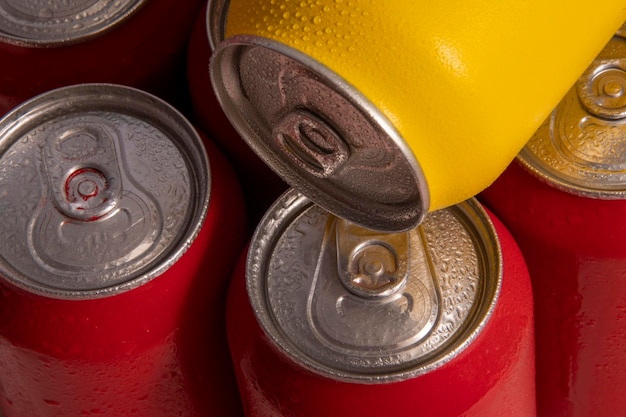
<point>260,184</point>
<point>329,319</point>
<point>564,201</point>
<point>141,43</point>
<point>119,237</point>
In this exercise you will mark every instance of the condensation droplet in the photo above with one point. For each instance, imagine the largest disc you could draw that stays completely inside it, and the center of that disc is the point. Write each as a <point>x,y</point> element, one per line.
<point>46,13</point>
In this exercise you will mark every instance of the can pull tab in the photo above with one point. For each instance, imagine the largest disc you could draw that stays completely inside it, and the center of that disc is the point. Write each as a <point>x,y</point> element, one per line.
<point>370,263</point>
<point>602,89</point>
<point>82,171</point>
<point>373,292</point>
<point>96,221</point>
<point>311,143</point>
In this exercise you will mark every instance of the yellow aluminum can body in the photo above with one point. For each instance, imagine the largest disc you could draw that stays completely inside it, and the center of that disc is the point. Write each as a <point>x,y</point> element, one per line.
<point>464,84</point>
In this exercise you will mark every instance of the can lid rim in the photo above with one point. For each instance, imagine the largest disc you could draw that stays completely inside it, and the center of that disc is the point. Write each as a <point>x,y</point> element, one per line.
<point>44,36</point>
<point>215,21</point>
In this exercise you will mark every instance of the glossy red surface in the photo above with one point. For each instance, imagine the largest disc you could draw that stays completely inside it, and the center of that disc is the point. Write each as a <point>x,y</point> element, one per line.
<point>260,184</point>
<point>575,249</point>
<point>158,350</point>
<point>494,376</point>
<point>146,51</point>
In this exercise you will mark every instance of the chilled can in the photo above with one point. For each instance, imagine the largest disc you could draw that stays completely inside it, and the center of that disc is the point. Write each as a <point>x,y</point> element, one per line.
<point>260,184</point>
<point>119,235</point>
<point>381,112</point>
<point>50,44</point>
<point>564,200</point>
<point>326,318</point>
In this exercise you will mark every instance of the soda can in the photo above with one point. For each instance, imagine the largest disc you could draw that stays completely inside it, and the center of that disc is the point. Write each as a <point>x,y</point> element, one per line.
<point>564,200</point>
<point>260,184</point>
<point>50,44</point>
<point>326,318</point>
<point>119,238</point>
<point>382,112</point>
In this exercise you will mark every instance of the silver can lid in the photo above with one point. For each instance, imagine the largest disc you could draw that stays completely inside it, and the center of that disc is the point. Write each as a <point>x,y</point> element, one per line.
<point>319,133</point>
<point>102,188</point>
<point>35,23</point>
<point>359,305</point>
<point>581,147</point>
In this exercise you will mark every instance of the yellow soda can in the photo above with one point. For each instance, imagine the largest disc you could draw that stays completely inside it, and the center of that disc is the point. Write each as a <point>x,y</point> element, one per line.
<point>384,111</point>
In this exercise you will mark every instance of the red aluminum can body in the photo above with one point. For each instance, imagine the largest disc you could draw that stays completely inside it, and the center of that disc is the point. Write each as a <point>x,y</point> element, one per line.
<point>492,376</point>
<point>260,184</point>
<point>575,248</point>
<point>153,349</point>
<point>143,49</point>
<point>564,202</point>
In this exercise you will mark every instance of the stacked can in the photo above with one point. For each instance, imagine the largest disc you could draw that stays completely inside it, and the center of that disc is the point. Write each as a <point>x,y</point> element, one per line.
<point>433,321</point>
<point>260,184</point>
<point>564,201</point>
<point>50,44</point>
<point>113,264</point>
<point>382,112</point>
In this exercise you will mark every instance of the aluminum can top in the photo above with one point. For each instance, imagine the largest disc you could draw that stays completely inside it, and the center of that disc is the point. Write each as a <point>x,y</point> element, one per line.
<point>358,305</point>
<point>581,147</point>
<point>102,188</point>
<point>317,131</point>
<point>33,23</point>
